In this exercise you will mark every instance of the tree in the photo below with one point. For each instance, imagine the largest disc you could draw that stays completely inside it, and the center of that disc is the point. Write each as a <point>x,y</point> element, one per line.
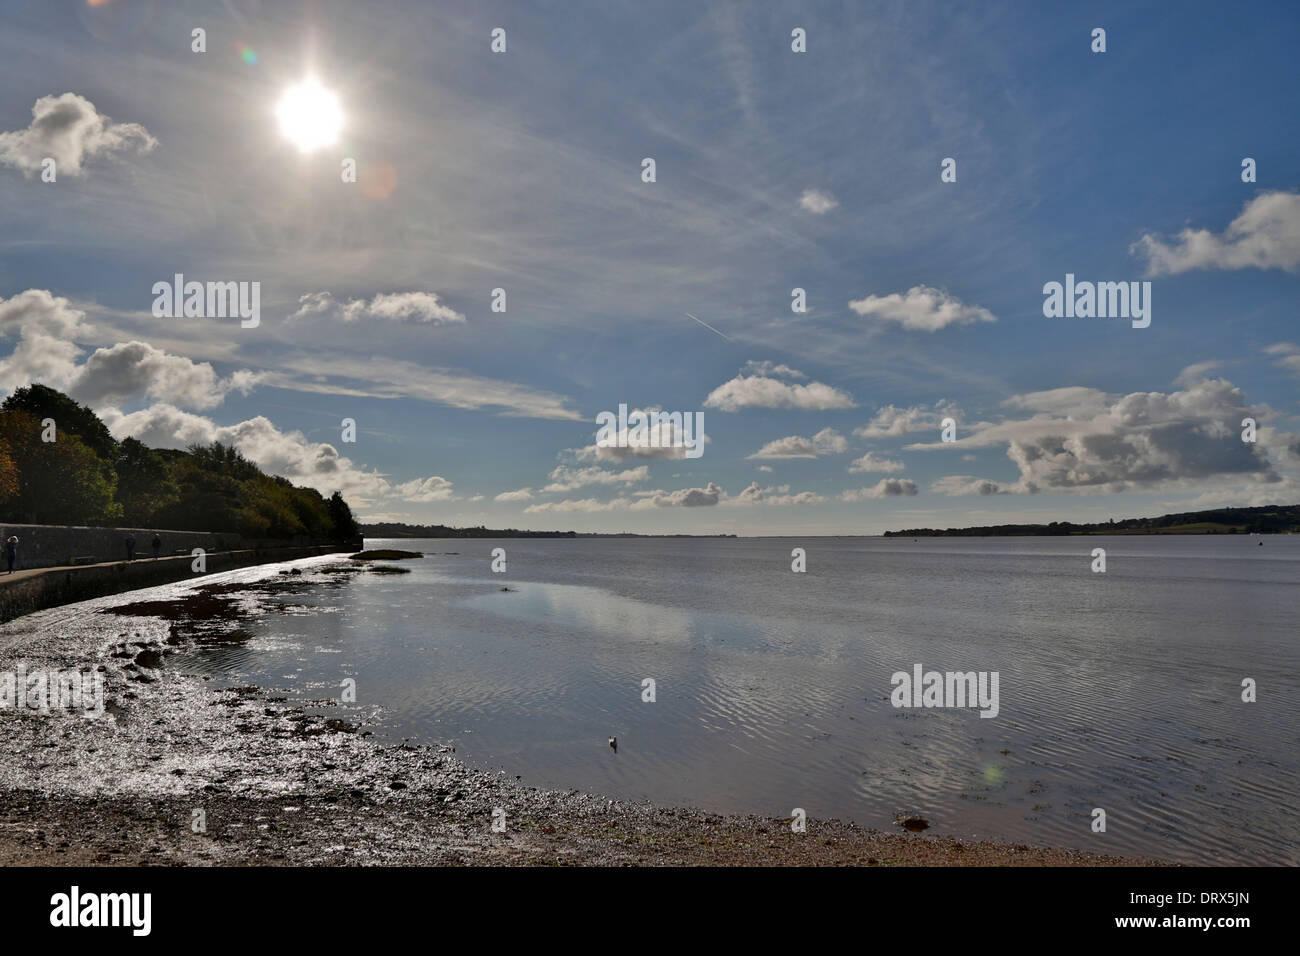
<point>59,482</point>
<point>8,474</point>
<point>343,525</point>
<point>84,476</point>
<point>144,483</point>
<point>70,418</point>
<point>224,460</point>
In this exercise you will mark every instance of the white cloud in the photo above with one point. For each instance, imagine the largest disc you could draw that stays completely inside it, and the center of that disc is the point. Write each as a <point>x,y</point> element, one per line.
<point>1288,356</point>
<point>704,497</point>
<point>754,495</point>
<point>817,201</point>
<point>423,491</point>
<point>1196,371</point>
<point>921,308</point>
<point>663,440</point>
<point>288,454</point>
<point>522,494</point>
<point>420,306</point>
<point>826,442</point>
<point>1142,440</point>
<point>48,328</point>
<point>1265,235</point>
<point>582,504</point>
<point>69,130</point>
<point>954,485</point>
<point>1073,401</point>
<point>763,391</point>
<point>565,478</point>
<point>773,369</point>
<point>884,488</point>
<point>709,496</point>
<point>128,369</point>
<point>869,462</point>
<point>46,352</point>
<point>891,421</point>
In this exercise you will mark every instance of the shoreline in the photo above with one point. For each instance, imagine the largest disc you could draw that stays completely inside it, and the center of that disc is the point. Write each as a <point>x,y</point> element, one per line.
<point>28,590</point>
<point>274,784</point>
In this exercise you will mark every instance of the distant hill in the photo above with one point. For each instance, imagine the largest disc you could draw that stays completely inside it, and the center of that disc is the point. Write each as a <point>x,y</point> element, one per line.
<point>1269,519</point>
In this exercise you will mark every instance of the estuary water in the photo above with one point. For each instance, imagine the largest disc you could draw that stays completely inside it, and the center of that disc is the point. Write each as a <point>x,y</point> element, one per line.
<point>1119,690</point>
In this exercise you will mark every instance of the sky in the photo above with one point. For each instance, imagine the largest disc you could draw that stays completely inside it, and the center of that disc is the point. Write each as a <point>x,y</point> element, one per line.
<point>774,170</point>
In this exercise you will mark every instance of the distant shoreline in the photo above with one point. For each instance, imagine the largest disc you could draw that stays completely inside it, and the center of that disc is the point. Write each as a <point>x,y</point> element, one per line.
<point>1268,519</point>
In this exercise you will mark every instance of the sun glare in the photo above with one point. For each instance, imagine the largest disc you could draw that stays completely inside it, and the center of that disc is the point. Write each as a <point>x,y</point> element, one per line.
<point>309,115</point>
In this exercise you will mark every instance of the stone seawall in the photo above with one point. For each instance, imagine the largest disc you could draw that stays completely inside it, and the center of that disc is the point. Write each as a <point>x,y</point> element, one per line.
<point>48,546</point>
<point>35,590</point>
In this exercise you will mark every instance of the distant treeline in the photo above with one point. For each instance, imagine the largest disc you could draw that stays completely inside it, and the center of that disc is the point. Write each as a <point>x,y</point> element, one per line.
<point>1269,519</point>
<point>59,465</point>
<point>393,529</point>
<point>396,529</point>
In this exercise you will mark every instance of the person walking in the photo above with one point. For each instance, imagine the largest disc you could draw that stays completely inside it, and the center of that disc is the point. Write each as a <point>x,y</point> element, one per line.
<point>157,545</point>
<point>130,547</point>
<point>11,551</point>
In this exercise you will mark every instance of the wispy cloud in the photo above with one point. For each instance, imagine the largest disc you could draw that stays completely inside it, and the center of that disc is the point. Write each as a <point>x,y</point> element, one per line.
<point>817,201</point>
<point>398,306</point>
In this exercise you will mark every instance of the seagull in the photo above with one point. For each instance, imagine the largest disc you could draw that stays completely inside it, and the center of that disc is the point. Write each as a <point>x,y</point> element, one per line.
<point>613,743</point>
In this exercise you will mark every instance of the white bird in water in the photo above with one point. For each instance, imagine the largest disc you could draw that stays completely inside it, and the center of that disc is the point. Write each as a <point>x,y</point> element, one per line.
<point>613,743</point>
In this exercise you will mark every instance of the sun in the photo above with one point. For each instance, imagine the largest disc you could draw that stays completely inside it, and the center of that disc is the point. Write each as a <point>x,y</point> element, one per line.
<point>309,115</point>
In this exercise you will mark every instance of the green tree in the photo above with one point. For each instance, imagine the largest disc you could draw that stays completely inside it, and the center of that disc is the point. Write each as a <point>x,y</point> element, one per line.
<point>59,482</point>
<point>343,526</point>
<point>144,483</point>
<point>84,476</point>
<point>70,418</point>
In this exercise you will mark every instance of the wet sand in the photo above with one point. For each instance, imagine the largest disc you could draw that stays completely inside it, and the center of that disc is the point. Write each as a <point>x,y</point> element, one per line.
<point>273,784</point>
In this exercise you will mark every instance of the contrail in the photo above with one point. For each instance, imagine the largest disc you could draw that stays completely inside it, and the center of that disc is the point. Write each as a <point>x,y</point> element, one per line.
<point>709,327</point>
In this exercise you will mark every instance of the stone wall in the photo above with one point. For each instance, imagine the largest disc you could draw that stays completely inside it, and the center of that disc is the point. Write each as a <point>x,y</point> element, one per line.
<point>45,546</point>
<point>23,595</point>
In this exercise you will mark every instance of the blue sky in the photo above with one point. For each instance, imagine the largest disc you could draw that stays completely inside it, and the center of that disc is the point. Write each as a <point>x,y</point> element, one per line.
<point>774,170</point>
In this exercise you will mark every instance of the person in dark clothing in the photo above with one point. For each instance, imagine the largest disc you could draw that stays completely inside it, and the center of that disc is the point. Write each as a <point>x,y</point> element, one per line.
<point>157,546</point>
<point>130,547</point>
<point>11,551</point>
